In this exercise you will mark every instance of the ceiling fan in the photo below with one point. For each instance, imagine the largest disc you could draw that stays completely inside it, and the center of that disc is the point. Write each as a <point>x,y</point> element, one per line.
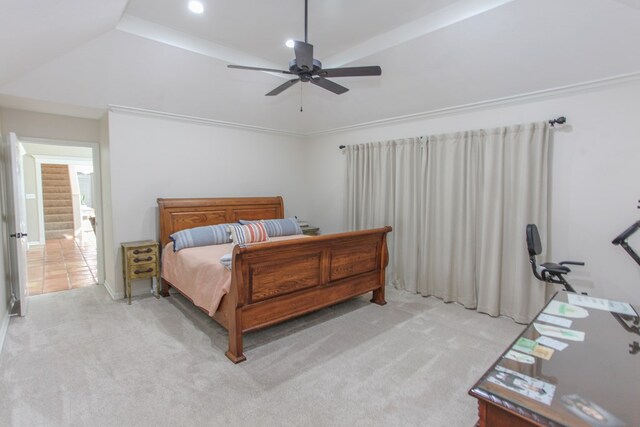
<point>309,69</point>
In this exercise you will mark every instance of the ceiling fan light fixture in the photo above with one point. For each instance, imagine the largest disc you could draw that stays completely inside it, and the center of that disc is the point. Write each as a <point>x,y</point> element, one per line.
<point>196,7</point>
<point>290,43</point>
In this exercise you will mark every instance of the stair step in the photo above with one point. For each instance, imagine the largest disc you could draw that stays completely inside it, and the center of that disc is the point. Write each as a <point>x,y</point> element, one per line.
<point>54,180</point>
<point>46,188</point>
<point>56,210</point>
<point>55,226</point>
<point>55,174</point>
<point>57,203</point>
<point>56,196</point>
<point>63,217</point>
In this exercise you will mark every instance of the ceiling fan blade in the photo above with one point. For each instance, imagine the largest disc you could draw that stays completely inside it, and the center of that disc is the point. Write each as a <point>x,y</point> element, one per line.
<point>304,54</point>
<point>242,67</point>
<point>282,87</point>
<point>329,85</point>
<point>373,70</point>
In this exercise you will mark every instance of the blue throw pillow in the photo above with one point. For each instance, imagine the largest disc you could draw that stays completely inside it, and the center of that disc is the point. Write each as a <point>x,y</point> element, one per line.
<point>279,227</point>
<point>201,236</point>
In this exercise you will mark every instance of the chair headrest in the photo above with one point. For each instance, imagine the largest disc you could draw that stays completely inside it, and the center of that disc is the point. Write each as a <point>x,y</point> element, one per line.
<point>534,246</point>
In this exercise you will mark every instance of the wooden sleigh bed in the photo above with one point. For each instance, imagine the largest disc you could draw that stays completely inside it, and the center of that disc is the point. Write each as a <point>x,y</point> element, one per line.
<point>276,281</point>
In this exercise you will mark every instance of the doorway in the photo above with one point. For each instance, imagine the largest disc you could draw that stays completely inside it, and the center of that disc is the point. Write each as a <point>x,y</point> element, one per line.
<point>60,192</point>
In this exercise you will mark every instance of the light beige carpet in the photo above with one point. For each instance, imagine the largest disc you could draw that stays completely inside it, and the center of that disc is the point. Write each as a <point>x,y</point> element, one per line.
<point>81,359</point>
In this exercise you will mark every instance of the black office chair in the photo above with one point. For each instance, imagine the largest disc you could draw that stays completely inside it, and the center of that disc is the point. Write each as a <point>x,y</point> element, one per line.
<point>548,272</point>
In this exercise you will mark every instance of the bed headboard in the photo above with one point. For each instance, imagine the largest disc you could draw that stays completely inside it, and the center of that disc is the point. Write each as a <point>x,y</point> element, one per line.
<point>180,214</point>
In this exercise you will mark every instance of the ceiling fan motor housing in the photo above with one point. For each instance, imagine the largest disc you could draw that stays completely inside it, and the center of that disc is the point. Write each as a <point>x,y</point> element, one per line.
<point>305,74</point>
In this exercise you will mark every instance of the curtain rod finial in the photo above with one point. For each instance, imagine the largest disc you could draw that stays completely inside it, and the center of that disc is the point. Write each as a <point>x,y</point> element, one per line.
<point>559,121</point>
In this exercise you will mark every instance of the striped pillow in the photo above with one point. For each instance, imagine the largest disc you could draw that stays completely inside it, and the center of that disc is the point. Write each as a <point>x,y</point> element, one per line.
<point>201,236</point>
<point>248,233</point>
<point>278,227</point>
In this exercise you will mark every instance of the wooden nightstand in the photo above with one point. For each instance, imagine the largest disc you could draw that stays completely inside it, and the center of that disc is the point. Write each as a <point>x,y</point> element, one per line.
<point>310,231</point>
<point>140,260</point>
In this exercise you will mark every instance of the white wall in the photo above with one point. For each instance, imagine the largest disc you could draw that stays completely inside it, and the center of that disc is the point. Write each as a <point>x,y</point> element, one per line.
<point>151,157</point>
<point>103,211</point>
<point>595,176</point>
<point>5,282</point>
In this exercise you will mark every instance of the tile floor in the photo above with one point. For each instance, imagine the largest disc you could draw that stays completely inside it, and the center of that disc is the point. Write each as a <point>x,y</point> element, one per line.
<point>62,264</point>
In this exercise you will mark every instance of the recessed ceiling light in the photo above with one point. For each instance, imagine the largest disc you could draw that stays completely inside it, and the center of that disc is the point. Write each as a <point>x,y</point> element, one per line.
<point>196,6</point>
<point>289,43</point>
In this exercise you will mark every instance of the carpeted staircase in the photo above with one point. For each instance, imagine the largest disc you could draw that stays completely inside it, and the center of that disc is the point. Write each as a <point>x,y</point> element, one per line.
<point>58,207</point>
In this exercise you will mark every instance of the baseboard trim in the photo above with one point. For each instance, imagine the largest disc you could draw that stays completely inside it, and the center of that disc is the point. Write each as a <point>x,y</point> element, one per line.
<point>3,329</point>
<point>137,290</point>
<point>114,295</point>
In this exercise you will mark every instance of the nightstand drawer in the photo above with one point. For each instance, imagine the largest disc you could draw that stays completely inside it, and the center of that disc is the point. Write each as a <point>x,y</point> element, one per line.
<point>142,259</point>
<point>141,271</point>
<point>141,252</point>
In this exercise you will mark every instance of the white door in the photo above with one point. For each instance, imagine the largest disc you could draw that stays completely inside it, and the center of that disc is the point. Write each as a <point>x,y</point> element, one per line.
<point>18,230</point>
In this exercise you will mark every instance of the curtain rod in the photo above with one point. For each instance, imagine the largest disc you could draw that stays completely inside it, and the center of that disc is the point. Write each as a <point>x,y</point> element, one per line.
<point>553,122</point>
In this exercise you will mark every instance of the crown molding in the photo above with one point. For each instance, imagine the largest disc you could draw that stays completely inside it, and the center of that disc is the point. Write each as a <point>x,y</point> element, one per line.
<point>199,120</point>
<point>508,100</point>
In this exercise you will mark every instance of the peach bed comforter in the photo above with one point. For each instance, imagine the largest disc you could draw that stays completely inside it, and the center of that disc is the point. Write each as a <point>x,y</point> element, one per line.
<point>197,272</point>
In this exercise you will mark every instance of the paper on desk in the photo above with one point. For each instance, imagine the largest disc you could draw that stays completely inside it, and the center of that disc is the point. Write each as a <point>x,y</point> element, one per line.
<point>550,342</point>
<point>542,352</point>
<point>533,348</point>
<point>519,357</point>
<point>525,345</point>
<point>555,320</point>
<point>601,304</point>
<point>556,332</point>
<point>530,387</point>
<point>567,310</point>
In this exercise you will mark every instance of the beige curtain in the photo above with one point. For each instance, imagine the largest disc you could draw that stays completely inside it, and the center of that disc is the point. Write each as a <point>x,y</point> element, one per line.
<point>382,189</point>
<point>459,204</point>
<point>450,226</point>
<point>514,177</point>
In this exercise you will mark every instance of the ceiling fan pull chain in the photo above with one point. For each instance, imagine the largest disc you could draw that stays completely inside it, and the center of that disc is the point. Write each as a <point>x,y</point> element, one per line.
<point>301,98</point>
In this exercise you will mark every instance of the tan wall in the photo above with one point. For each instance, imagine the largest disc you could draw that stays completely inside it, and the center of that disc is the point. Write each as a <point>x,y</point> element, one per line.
<point>27,124</point>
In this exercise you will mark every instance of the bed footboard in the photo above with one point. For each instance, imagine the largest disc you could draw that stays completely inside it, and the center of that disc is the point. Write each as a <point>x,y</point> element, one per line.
<point>277,281</point>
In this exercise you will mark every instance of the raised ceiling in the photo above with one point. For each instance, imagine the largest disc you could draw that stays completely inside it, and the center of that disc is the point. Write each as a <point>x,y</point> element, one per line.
<point>79,56</point>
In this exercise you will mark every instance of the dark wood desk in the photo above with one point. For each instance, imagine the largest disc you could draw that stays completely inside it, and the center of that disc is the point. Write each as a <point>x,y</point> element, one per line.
<point>597,381</point>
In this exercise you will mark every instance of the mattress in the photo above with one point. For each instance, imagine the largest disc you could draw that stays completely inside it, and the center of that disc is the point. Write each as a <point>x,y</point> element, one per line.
<point>198,273</point>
